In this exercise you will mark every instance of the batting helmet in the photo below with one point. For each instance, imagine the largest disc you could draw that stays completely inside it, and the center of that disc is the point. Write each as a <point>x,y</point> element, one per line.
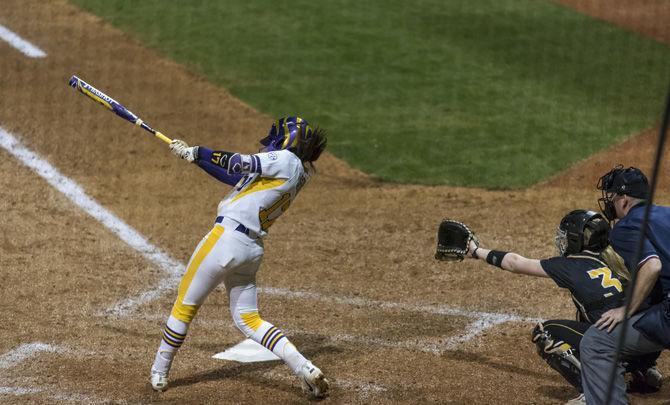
<point>630,181</point>
<point>284,134</point>
<point>582,230</point>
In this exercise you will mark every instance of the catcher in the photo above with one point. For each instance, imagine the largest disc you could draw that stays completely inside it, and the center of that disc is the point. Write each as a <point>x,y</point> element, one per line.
<point>587,266</point>
<point>265,185</point>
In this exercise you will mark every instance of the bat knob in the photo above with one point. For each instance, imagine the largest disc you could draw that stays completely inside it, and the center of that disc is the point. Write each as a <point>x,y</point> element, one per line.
<point>73,81</point>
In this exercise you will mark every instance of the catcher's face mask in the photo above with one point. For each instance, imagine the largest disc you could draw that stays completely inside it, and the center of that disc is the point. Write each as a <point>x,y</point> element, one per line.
<point>561,241</point>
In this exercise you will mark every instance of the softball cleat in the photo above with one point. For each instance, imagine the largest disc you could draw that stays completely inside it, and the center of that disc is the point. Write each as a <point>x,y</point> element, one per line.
<point>159,381</point>
<point>314,383</point>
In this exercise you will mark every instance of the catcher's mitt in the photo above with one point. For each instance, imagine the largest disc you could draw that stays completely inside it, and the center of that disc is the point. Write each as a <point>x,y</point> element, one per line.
<point>453,240</point>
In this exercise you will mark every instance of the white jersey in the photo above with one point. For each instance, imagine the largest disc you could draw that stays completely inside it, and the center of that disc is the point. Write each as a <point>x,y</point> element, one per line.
<point>259,199</point>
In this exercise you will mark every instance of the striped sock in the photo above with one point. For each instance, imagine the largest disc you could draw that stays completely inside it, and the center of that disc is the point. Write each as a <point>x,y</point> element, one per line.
<point>174,334</point>
<point>274,340</point>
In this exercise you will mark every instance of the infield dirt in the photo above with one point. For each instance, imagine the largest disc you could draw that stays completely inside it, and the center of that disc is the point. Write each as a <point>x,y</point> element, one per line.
<point>347,235</point>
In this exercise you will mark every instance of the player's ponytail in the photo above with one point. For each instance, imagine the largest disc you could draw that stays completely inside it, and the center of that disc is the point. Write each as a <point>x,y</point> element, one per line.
<point>615,263</point>
<point>595,239</point>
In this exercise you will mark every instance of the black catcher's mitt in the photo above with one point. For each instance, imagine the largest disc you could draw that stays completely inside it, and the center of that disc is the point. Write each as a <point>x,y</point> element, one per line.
<point>453,239</point>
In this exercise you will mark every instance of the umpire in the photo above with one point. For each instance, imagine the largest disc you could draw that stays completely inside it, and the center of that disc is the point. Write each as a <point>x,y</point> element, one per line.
<point>624,194</point>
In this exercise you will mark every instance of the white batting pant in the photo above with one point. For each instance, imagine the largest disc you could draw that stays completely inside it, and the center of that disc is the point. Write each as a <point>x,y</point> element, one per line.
<point>223,255</point>
<point>229,256</point>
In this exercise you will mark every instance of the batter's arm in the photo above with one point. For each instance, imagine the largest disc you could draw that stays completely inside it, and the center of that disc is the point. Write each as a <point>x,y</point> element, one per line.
<point>215,163</point>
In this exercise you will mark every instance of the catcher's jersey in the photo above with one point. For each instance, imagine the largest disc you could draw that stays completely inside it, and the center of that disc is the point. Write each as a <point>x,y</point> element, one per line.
<point>257,200</point>
<point>594,287</point>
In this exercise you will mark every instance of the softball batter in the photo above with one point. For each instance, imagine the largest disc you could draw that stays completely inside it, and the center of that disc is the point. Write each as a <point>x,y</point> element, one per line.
<point>265,184</point>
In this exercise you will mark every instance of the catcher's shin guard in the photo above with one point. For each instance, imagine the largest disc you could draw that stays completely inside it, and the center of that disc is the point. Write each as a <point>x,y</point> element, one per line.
<point>559,355</point>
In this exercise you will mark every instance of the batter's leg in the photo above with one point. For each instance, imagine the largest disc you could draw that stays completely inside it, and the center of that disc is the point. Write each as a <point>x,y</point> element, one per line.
<point>244,309</point>
<point>203,273</point>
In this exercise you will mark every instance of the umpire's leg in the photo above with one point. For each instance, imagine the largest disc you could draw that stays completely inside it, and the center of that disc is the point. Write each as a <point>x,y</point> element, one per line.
<point>597,356</point>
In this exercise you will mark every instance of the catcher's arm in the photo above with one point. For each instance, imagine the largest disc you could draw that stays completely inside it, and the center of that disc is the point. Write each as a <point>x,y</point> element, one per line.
<point>509,261</point>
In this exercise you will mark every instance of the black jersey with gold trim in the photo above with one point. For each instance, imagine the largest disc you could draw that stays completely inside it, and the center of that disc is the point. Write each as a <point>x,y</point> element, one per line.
<point>595,288</point>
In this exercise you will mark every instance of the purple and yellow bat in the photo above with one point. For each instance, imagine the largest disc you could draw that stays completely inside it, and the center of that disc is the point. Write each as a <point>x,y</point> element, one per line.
<point>114,106</point>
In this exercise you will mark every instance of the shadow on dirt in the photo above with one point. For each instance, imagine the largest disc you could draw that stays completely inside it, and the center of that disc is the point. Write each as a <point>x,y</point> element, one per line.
<point>460,355</point>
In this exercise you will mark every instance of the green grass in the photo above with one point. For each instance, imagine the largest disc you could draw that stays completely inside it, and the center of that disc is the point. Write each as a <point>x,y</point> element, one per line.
<point>490,93</point>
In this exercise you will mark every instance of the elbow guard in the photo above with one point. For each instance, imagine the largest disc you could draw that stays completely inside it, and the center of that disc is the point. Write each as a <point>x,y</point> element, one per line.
<point>243,164</point>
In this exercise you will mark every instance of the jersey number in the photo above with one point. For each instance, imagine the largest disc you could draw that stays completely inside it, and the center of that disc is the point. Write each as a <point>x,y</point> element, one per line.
<point>608,280</point>
<point>267,216</point>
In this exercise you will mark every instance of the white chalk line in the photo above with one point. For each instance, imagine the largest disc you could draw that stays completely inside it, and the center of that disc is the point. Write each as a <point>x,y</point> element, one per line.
<point>387,305</point>
<point>50,392</point>
<point>19,391</point>
<point>417,344</point>
<point>28,351</point>
<point>21,44</point>
<point>123,231</point>
<point>173,268</point>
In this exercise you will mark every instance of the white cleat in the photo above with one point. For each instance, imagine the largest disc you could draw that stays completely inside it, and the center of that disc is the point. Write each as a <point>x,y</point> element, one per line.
<point>159,381</point>
<point>314,383</point>
<point>581,399</point>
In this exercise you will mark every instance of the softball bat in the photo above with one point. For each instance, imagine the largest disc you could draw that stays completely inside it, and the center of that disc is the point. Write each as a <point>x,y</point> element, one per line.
<point>114,106</point>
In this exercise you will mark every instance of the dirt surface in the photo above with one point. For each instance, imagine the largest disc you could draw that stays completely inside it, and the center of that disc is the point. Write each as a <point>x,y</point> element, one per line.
<point>348,271</point>
<point>649,18</point>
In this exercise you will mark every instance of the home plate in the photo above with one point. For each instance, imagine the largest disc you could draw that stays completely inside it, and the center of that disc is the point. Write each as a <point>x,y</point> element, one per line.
<point>247,351</point>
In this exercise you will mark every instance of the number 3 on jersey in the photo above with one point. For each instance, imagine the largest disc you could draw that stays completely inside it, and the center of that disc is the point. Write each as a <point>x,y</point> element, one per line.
<point>267,216</point>
<point>608,280</point>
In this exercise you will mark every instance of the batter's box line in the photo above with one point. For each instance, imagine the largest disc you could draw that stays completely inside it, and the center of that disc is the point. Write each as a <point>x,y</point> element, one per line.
<point>76,194</point>
<point>471,331</point>
<point>28,352</point>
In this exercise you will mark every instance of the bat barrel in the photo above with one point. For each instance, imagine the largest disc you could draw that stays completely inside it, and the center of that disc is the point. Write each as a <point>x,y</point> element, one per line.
<point>113,105</point>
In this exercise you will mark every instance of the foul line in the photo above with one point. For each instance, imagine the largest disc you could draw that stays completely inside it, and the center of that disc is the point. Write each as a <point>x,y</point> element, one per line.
<point>123,231</point>
<point>482,320</point>
<point>21,44</point>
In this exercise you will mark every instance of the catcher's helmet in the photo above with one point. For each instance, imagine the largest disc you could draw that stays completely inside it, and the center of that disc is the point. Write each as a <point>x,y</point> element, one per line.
<point>571,238</point>
<point>284,134</point>
<point>630,181</point>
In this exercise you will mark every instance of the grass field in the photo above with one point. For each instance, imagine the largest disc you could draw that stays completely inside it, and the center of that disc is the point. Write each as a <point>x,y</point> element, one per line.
<point>493,93</point>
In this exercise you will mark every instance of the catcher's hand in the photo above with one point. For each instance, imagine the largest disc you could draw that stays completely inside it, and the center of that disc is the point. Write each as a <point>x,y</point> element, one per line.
<point>453,241</point>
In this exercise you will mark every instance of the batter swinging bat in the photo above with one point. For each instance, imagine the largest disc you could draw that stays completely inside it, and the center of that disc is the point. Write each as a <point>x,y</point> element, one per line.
<point>114,106</point>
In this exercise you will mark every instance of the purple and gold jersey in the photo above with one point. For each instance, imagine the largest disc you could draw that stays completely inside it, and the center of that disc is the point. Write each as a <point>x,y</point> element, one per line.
<point>258,199</point>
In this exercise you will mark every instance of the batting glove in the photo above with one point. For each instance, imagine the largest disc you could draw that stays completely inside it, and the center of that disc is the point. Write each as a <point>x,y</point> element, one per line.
<point>181,149</point>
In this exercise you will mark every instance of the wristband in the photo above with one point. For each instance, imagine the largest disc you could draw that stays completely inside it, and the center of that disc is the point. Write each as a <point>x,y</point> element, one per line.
<point>495,258</point>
